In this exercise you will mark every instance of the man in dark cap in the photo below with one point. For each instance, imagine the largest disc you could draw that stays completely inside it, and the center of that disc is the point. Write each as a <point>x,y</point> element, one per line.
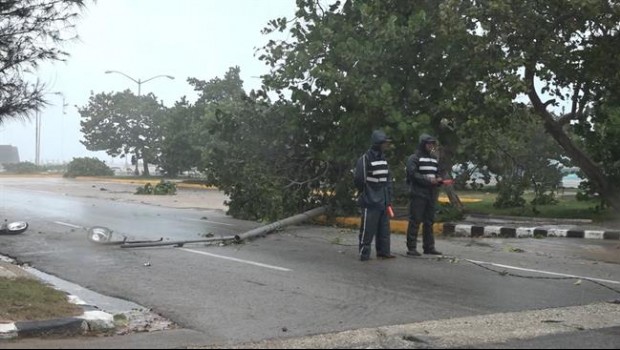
<point>374,182</point>
<point>423,178</point>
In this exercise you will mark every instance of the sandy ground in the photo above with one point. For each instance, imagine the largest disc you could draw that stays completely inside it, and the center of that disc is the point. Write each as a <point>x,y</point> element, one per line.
<point>188,196</point>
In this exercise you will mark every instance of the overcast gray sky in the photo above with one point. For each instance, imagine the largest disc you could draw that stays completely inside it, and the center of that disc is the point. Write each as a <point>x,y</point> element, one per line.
<point>144,38</point>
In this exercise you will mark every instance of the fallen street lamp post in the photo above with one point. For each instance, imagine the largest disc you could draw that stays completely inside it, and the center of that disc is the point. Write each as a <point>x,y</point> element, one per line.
<point>103,235</point>
<point>293,220</point>
<point>136,244</point>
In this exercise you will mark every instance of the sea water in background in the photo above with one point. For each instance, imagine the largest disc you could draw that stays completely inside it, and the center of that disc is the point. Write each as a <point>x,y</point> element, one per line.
<point>571,181</point>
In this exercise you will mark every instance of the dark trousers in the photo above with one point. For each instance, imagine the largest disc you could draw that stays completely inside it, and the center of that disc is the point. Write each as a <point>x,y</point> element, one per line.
<point>375,222</point>
<point>421,211</point>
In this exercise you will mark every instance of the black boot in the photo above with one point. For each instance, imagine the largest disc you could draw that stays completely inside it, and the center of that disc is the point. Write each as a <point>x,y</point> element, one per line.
<point>432,251</point>
<point>413,252</point>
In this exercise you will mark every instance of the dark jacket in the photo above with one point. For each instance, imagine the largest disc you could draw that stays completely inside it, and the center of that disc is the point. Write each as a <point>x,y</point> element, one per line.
<point>421,166</point>
<point>372,176</point>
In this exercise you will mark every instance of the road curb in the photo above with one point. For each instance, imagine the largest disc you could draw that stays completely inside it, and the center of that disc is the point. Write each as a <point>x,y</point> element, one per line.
<point>91,319</point>
<point>70,326</point>
<point>396,226</point>
<point>488,231</point>
<point>472,230</point>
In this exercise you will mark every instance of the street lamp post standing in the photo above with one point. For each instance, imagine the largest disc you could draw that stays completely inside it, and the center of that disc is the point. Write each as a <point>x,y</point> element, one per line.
<point>38,125</point>
<point>139,82</point>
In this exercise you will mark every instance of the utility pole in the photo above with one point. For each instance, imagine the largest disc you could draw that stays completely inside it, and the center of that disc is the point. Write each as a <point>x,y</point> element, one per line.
<point>38,125</point>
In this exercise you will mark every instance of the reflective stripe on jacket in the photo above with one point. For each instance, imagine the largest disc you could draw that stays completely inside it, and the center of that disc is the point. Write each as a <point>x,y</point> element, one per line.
<point>373,180</point>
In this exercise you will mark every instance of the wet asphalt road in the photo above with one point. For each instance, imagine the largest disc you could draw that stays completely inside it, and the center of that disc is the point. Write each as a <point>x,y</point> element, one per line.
<point>303,280</point>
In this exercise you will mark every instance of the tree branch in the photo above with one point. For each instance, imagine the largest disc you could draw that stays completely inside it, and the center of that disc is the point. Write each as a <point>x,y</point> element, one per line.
<point>566,119</point>
<point>300,183</point>
<point>550,102</point>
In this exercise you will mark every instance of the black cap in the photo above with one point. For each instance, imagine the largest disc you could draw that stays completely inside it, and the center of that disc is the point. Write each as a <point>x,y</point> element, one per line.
<point>426,138</point>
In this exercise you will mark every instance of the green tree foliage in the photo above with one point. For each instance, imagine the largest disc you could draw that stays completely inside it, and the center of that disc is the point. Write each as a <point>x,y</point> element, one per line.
<point>521,156</point>
<point>31,32</point>
<point>181,147</point>
<point>87,167</point>
<point>420,65</point>
<point>253,151</point>
<point>602,140</point>
<point>348,66</point>
<point>122,124</point>
<point>360,65</point>
<point>558,54</point>
<point>452,68</point>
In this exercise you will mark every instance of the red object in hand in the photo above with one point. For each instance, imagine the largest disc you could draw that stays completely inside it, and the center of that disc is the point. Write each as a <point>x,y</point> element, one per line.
<point>447,182</point>
<point>390,211</point>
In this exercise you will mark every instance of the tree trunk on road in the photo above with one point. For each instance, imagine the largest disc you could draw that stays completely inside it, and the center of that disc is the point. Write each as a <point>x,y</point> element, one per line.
<point>454,198</point>
<point>446,164</point>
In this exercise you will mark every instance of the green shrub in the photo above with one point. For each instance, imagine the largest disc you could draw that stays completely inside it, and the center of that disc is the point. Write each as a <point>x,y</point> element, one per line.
<point>22,168</point>
<point>87,167</point>
<point>510,192</point>
<point>162,188</point>
<point>446,212</point>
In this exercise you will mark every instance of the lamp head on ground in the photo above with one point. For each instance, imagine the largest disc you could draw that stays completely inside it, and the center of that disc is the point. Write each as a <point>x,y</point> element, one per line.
<point>99,234</point>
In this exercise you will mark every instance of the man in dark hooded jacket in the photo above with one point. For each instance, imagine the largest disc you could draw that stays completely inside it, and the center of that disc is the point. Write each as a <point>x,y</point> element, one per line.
<point>374,182</point>
<point>423,177</point>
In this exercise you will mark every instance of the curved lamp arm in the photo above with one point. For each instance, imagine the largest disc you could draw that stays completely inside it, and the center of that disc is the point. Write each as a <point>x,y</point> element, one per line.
<point>158,76</point>
<point>121,73</point>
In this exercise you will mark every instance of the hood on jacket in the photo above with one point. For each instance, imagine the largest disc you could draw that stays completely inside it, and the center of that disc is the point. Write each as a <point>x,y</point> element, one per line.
<point>378,137</point>
<point>425,139</point>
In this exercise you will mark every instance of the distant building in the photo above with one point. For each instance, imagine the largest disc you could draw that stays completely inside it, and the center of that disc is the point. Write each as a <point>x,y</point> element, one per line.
<point>8,155</point>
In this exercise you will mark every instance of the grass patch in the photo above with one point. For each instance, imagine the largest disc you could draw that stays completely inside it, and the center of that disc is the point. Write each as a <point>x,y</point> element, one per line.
<point>567,208</point>
<point>24,299</point>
